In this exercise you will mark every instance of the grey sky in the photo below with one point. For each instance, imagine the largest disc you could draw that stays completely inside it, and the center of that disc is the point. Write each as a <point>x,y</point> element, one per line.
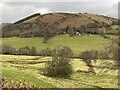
<point>13,11</point>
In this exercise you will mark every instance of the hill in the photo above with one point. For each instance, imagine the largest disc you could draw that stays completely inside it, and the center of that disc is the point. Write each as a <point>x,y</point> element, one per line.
<point>58,23</point>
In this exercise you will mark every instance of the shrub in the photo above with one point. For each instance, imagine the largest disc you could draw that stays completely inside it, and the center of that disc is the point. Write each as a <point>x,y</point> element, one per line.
<point>89,56</point>
<point>24,50</point>
<point>45,52</point>
<point>113,51</point>
<point>60,66</point>
<point>27,51</point>
<point>103,54</point>
<point>33,51</point>
<point>7,49</point>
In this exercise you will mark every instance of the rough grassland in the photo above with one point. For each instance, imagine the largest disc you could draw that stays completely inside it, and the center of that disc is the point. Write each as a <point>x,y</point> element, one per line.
<point>32,73</point>
<point>77,43</point>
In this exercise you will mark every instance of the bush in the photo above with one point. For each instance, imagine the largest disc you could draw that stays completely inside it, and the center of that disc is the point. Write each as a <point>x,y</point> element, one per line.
<point>45,52</point>
<point>103,54</point>
<point>112,51</point>
<point>89,56</point>
<point>33,51</point>
<point>24,51</point>
<point>27,51</point>
<point>7,49</point>
<point>60,66</point>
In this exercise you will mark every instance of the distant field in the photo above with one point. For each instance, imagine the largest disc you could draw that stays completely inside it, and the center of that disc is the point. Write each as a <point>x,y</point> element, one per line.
<point>77,43</point>
<point>21,70</point>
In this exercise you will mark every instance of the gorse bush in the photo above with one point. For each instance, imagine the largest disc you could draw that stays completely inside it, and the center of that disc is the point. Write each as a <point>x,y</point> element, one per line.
<point>60,66</point>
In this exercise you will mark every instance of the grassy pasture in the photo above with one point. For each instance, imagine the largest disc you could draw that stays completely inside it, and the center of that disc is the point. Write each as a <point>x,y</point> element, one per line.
<point>77,43</point>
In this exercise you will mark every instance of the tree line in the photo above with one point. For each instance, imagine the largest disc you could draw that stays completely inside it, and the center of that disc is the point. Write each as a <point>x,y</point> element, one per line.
<point>7,49</point>
<point>32,51</point>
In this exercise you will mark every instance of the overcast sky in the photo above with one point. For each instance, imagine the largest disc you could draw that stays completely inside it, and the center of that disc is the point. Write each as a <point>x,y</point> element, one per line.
<point>13,11</point>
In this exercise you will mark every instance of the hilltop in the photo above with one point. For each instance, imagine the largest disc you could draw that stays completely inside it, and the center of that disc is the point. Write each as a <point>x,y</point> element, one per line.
<point>58,23</point>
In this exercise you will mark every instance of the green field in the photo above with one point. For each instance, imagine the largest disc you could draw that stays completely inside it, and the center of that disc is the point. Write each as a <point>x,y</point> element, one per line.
<point>22,70</point>
<point>77,43</point>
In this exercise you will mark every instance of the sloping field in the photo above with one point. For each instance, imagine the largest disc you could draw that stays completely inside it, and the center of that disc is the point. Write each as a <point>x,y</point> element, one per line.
<point>77,43</point>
